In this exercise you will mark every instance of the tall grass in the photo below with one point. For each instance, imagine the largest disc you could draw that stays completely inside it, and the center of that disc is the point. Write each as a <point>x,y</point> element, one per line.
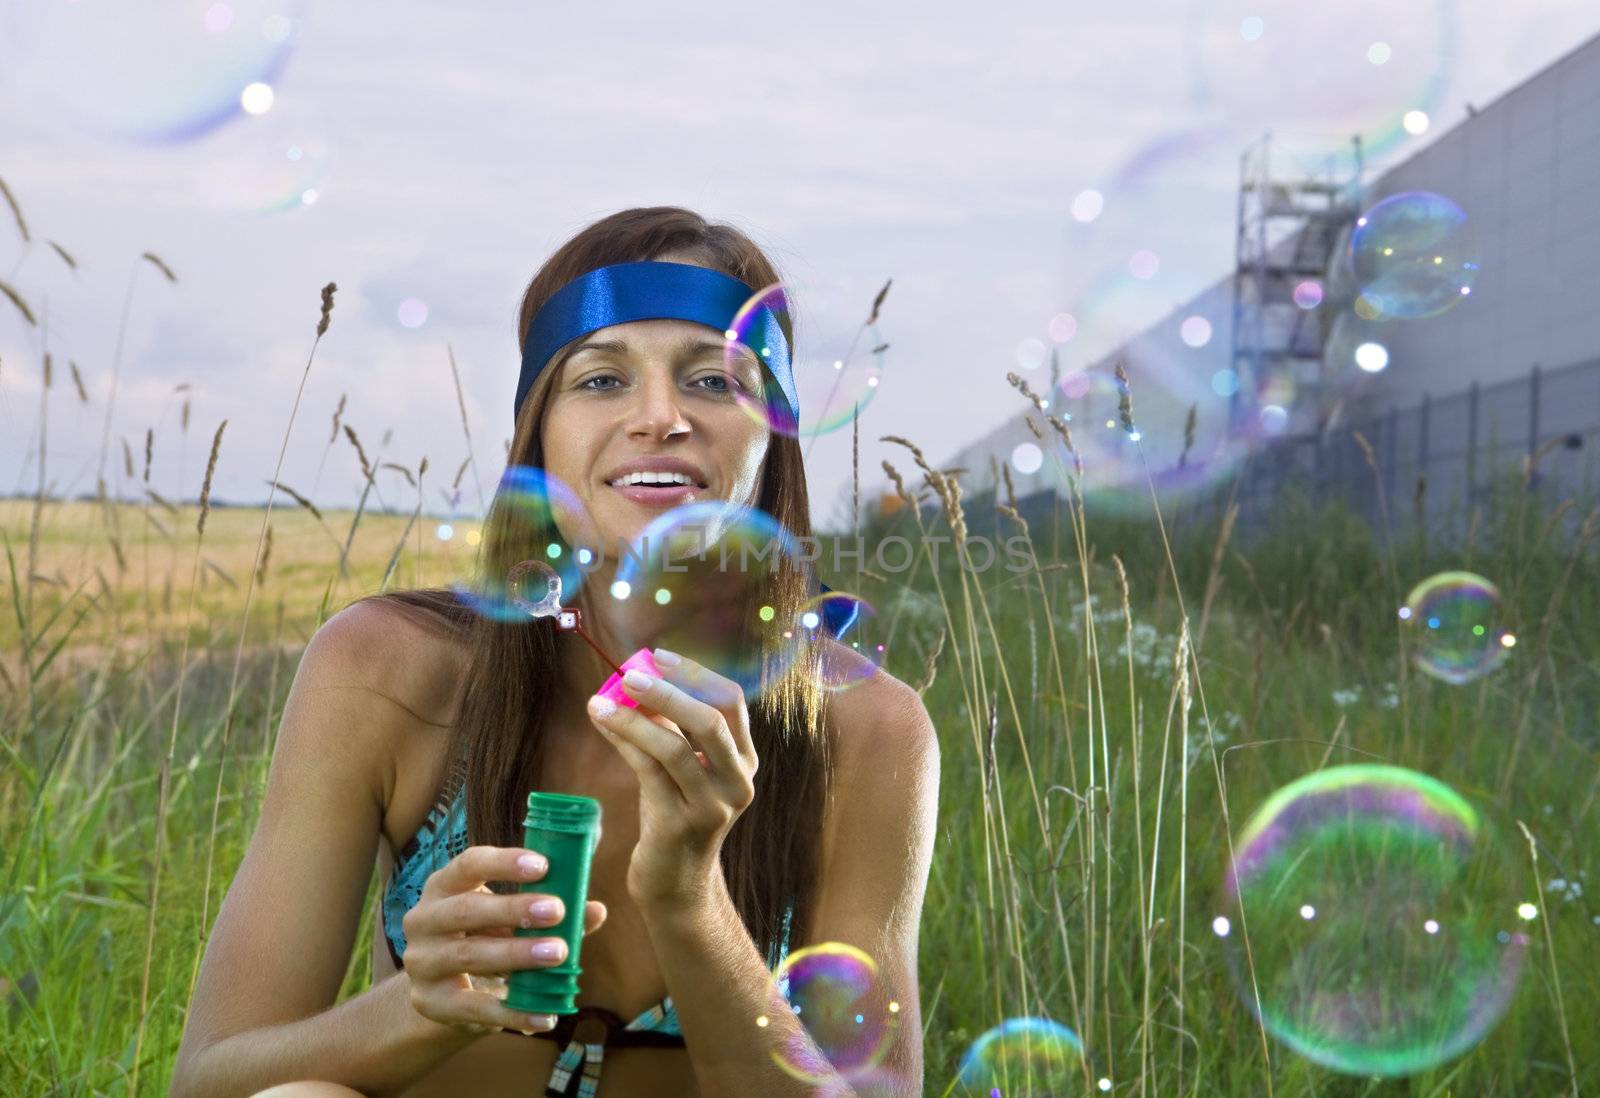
<point>1097,747</point>
<point>1108,715</point>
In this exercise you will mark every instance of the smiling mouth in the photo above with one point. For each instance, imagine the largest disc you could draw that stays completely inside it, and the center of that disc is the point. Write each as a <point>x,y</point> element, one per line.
<point>666,486</point>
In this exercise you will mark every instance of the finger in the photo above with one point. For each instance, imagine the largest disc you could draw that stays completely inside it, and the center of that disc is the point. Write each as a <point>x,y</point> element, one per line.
<point>705,726</point>
<point>669,751</point>
<point>718,691</point>
<point>594,916</point>
<point>654,781</point>
<point>477,865</point>
<point>482,911</point>
<point>488,1010</point>
<point>439,958</point>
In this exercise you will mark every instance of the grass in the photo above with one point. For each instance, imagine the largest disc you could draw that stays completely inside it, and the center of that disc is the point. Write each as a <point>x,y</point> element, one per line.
<point>1110,717</point>
<point>1091,777</point>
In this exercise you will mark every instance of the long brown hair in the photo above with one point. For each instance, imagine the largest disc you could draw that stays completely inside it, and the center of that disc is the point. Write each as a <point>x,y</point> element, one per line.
<point>770,856</point>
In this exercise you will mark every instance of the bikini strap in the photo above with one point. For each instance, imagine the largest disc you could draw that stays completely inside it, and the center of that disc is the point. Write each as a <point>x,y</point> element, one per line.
<point>593,1025</point>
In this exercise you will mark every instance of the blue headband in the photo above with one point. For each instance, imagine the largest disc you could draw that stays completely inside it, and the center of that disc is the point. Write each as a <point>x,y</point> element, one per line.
<point>652,290</point>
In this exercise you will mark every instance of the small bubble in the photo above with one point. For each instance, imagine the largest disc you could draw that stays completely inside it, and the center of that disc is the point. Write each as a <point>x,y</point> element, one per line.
<point>256,98</point>
<point>1087,205</point>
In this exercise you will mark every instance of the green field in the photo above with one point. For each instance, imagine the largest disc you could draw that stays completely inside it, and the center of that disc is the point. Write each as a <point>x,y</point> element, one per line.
<point>1083,835</point>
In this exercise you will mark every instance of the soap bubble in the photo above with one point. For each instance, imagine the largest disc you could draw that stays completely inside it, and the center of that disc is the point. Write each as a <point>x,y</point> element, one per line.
<point>1414,255</point>
<point>142,71</point>
<point>859,654</point>
<point>1456,627</point>
<point>875,1082</point>
<point>835,991</point>
<point>266,164</point>
<point>1144,264</point>
<point>1120,465</point>
<point>1298,68</point>
<point>412,312</point>
<point>837,361</point>
<point>1348,350</point>
<point>541,521</point>
<point>710,566</point>
<point>1030,353</point>
<point>1382,936</point>
<point>1195,331</point>
<point>1023,1058</point>
<point>1087,204</point>
<point>1087,401</point>
<point>1372,357</point>
<point>1170,357</point>
<point>1308,294</point>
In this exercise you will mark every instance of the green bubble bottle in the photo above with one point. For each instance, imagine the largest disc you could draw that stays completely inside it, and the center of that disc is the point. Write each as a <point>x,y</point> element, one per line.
<point>566,830</point>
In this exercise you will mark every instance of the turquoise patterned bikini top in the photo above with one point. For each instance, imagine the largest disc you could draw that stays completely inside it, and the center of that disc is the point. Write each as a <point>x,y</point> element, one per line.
<point>441,837</point>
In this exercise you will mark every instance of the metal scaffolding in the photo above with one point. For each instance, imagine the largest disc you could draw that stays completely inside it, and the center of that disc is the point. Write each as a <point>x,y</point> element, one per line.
<point>1287,231</point>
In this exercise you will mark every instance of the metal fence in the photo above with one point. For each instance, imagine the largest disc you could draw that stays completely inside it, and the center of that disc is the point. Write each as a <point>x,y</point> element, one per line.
<point>1444,457</point>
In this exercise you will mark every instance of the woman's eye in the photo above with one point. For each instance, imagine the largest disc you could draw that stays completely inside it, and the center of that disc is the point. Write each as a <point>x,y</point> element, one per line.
<point>721,383</point>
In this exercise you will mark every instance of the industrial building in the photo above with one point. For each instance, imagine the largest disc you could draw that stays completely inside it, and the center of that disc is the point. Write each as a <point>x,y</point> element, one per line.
<point>1258,373</point>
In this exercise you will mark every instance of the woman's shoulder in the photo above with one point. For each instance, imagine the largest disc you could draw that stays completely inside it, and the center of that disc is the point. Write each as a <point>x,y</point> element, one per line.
<point>869,709</point>
<point>384,647</point>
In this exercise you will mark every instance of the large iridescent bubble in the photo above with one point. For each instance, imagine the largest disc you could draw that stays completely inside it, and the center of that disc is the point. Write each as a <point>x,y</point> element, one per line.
<point>1319,72</point>
<point>838,360</point>
<point>1175,437</point>
<point>1374,912</point>
<point>1413,254</point>
<point>142,71</point>
<point>1456,627</point>
<point>541,519</point>
<point>268,164</point>
<point>1023,1058</point>
<point>836,992</point>
<point>697,581</point>
<point>858,655</point>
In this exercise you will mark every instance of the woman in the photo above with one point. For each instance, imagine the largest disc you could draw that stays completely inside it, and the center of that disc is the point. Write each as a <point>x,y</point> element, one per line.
<point>736,827</point>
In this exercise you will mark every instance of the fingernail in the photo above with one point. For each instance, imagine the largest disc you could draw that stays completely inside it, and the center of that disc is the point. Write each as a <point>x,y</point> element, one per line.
<point>547,949</point>
<point>542,1021</point>
<point>637,679</point>
<point>545,909</point>
<point>601,706</point>
<point>531,864</point>
<point>667,658</point>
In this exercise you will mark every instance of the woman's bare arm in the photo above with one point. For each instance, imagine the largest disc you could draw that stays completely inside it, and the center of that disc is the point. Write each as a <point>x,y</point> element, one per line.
<point>374,1042</point>
<point>878,836</point>
<point>262,1011</point>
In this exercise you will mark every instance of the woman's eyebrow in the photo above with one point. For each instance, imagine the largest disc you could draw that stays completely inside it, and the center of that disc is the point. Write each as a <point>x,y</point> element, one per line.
<point>688,348</point>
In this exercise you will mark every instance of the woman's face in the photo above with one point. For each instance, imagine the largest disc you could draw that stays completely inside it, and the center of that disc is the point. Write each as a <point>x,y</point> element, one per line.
<point>641,392</point>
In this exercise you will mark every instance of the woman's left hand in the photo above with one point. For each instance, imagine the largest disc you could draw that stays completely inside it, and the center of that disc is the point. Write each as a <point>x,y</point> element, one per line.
<point>689,743</point>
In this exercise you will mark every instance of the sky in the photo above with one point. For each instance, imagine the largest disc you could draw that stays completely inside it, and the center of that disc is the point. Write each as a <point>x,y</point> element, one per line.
<point>450,149</point>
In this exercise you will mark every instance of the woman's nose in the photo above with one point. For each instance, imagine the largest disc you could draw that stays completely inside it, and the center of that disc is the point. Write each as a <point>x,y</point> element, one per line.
<point>656,409</point>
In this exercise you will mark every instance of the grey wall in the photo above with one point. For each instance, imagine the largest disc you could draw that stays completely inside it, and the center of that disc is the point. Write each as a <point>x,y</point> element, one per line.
<point>1526,169</point>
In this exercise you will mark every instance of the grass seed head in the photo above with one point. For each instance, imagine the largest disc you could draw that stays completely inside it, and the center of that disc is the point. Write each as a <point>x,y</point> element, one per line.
<point>327,308</point>
<point>159,265</point>
<point>205,487</point>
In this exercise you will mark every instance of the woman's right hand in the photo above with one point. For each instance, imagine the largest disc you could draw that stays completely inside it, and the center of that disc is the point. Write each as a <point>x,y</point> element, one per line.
<point>460,928</point>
